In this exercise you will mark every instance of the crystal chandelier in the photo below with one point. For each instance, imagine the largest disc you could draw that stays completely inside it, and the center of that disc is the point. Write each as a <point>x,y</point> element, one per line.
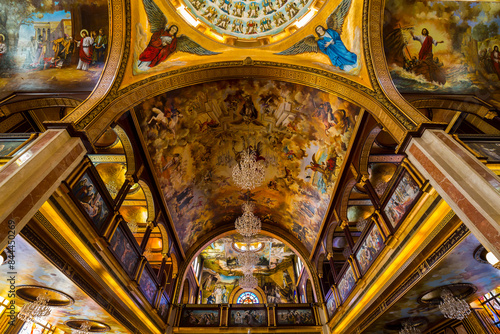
<point>247,260</point>
<point>453,307</point>
<point>84,329</point>
<point>248,282</point>
<point>36,310</point>
<point>409,328</point>
<point>248,224</point>
<point>248,173</point>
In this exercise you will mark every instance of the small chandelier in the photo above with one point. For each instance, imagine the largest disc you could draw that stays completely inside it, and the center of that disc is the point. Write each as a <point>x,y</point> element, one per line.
<point>84,328</point>
<point>36,310</point>
<point>248,224</point>
<point>248,282</point>
<point>409,328</point>
<point>453,307</point>
<point>248,173</point>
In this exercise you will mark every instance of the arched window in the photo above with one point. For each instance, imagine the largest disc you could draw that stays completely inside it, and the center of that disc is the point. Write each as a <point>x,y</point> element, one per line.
<point>247,298</point>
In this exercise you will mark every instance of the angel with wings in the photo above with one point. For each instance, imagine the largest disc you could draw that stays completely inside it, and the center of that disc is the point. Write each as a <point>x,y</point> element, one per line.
<point>328,40</point>
<point>164,40</point>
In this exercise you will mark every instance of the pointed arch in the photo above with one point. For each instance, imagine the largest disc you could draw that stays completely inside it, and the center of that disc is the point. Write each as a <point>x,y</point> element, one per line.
<point>367,147</point>
<point>149,201</point>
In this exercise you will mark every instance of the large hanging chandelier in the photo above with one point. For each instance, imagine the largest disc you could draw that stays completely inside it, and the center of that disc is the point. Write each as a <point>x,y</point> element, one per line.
<point>35,311</point>
<point>453,307</point>
<point>84,328</point>
<point>248,173</point>
<point>248,224</point>
<point>409,328</point>
<point>248,282</point>
<point>247,260</point>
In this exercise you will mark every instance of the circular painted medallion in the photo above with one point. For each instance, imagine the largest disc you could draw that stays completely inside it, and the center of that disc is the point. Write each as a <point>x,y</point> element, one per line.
<point>256,19</point>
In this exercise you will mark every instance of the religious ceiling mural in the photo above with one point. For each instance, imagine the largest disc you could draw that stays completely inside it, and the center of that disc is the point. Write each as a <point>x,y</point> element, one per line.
<point>171,35</point>
<point>52,45</point>
<point>195,137</point>
<point>443,47</point>
<point>222,271</point>
<point>33,269</point>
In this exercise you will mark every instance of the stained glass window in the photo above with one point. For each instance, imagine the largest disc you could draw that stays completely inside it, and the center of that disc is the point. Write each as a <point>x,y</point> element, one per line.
<point>247,298</point>
<point>491,303</point>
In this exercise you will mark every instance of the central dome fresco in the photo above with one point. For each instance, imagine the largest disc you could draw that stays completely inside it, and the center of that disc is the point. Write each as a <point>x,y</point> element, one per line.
<point>269,20</point>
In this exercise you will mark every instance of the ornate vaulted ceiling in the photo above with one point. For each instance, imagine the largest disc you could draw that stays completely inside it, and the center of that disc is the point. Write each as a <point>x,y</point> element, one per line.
<point>195,137</point>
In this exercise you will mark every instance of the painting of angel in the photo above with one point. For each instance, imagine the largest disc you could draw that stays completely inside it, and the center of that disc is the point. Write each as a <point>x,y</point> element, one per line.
<point>164,40</point>
<point>91,200</point>
<point>328,40</point>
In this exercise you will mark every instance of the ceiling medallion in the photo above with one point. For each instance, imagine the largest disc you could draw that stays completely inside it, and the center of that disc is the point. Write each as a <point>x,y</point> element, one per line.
<point>85,326</point>
<point>251,22</point>
<point>40,300</point>
<point>248,172</point>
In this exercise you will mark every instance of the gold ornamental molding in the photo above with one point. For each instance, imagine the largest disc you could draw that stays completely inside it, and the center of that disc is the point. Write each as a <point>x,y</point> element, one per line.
<point>137,93</point>
<point>49,102</point>
<point>477,109</point>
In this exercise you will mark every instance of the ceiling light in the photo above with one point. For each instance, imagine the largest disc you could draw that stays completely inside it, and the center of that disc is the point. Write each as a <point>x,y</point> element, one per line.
<point>248,172</point>
<point>248,282</point>
<point>247,260</point>
<point>409,328</point>
<point>35,311</point>
<point>453,307</point>
<point>306,18</point>
<point>84,329</point>
<point>187,16</point>
<point>248,224</point>
<point>492,259</point>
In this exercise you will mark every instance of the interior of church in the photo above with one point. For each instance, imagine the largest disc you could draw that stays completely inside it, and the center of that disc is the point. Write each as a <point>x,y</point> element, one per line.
<point>250,166</point>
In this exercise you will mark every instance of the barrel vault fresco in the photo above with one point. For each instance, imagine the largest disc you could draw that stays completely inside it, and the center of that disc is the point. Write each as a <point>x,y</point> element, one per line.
<point>195,137</point>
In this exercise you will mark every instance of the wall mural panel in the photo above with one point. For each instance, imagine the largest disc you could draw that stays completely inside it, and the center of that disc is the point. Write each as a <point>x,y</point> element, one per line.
<point>195,136</point>
<point>401,200</point>
<point>248,317</point>
<point>200,318</point>
<point>52,45</point>
<point>443,47</point>
<point>295,317</point>
<point>221,270</point>
<point>346,284</point>
<point>370,248</point>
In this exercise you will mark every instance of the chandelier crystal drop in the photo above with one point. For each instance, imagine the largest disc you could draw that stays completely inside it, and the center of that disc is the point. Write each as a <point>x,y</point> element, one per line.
<point>84,328</point>
<point>453,307</point>
<point>248,173</point>
<point>248,224</point>
<point>409,328</point>
<point>35,311</point>
<point>248,282</point>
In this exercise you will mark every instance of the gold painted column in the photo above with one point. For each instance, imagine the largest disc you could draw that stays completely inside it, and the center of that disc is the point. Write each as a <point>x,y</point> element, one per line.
<point>469,188</point>
<point>29,180</point>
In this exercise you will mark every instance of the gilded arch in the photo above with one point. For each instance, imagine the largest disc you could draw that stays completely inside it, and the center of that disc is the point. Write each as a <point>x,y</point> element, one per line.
<point>345,199</point>
<point>267,229</point>
<point>149,200</point>
<point>365,152</point>
<point>127,146</point>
